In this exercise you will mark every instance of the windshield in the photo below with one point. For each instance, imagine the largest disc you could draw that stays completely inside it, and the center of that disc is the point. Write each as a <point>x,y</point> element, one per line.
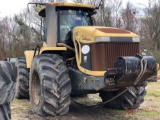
<point>70,19</point>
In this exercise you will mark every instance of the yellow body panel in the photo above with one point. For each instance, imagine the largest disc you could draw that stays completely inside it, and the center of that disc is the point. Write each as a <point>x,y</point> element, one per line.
<point>68,4</point>
<point>158,70</point>
<point>29,56</point>
<point>87,34</point>
<point>89,72</point>
<point>52,49</point>
<point>30,53</point>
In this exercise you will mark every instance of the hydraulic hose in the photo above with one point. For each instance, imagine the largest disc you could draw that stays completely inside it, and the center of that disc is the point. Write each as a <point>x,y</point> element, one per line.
<point>102,103</point>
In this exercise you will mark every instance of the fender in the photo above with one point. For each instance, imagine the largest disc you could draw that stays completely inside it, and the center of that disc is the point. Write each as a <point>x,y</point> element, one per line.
<point>29,54</point>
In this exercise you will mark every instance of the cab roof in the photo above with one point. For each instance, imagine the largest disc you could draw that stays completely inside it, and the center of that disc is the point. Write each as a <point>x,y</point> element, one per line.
<point>67,4</point>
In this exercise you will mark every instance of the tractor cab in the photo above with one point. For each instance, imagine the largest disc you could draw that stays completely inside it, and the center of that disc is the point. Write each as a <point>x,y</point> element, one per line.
<point>63,17</point>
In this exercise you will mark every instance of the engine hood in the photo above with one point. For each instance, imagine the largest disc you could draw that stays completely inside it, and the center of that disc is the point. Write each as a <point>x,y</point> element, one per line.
<point>88,34</point>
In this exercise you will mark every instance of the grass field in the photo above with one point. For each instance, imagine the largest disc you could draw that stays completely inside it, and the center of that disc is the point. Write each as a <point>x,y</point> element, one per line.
<point>149,110</point>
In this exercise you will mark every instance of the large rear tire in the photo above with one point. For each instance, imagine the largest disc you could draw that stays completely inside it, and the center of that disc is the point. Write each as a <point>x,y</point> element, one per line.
<point>7,81</point>
<point>131,99</point>
<point>7,88</point>
<point>5,111</point>
<point>22,85</point>
<point>49,85</point>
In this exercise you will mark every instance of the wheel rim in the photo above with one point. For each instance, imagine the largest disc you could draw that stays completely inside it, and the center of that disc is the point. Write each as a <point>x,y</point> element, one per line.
<point>35,88</point>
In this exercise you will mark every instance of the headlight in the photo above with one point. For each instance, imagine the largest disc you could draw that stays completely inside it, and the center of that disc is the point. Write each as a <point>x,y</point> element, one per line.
<point>85,49</point>
<point>102,39</point>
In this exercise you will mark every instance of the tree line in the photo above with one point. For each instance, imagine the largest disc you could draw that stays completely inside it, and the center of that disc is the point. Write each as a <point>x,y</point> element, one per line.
<point>22,31</point>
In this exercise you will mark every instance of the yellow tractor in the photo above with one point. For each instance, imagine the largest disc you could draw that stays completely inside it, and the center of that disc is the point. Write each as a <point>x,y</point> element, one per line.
<point>78,58</point>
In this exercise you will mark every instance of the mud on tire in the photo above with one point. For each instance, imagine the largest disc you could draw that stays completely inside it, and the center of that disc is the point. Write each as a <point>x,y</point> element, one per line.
<point>131,99</point>
<point>22,85</point>
<point>49,85</point>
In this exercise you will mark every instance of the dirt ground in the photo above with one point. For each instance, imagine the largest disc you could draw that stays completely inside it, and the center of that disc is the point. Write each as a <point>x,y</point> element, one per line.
<point>149,110</point>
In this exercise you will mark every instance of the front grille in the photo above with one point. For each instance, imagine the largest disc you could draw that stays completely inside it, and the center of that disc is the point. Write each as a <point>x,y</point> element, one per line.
<point>104,55</point>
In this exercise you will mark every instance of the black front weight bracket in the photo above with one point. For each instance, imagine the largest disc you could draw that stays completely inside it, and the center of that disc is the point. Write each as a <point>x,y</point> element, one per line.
<point>130,71</point>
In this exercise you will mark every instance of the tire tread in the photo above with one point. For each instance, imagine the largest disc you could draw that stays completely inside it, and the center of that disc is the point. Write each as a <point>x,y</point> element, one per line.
<point>131,99</point>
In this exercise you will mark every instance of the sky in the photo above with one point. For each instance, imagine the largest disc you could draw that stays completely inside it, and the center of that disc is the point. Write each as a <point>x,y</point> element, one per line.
<point>9,8</point>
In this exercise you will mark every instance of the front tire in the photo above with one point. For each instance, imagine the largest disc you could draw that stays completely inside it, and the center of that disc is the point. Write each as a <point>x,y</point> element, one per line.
<point>131,99</point>
<point>49,85</point>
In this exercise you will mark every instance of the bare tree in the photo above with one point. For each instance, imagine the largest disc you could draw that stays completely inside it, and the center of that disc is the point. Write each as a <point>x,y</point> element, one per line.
<point>116,6</point>
<point>129,17</point>
<point>3,35</point>
<point>151,23</point>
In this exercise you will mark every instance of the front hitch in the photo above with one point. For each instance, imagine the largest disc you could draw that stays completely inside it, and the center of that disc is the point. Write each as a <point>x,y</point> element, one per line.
<point>130,71</point>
